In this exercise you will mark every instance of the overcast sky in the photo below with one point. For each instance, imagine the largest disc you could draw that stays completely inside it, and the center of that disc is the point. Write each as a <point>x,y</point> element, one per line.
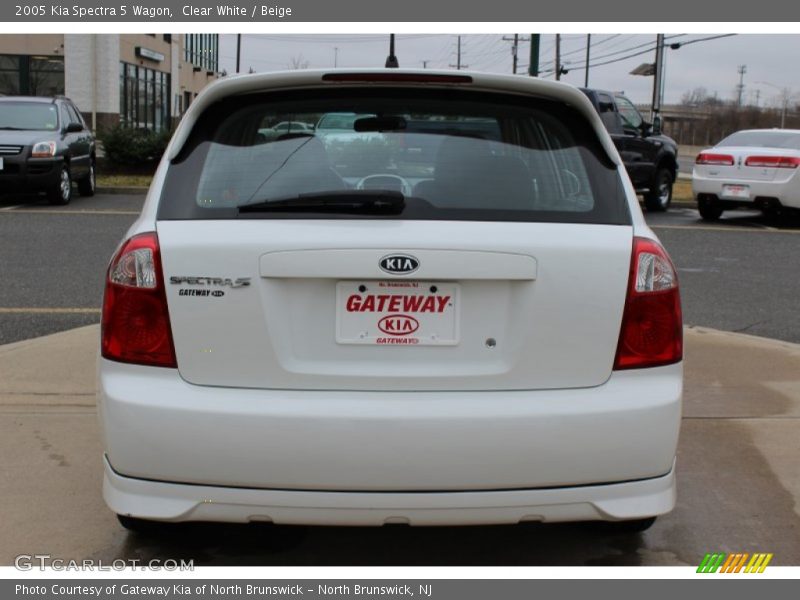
<point>710,64</point>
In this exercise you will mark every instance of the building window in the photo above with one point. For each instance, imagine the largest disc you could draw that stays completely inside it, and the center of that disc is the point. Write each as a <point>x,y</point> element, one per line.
<point>202,50</point>
<point>31,75</point>
<point>143,97</point>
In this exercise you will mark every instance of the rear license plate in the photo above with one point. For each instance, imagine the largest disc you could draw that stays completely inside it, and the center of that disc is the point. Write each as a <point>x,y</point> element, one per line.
<point>397,313</point>
<point>736,191</point>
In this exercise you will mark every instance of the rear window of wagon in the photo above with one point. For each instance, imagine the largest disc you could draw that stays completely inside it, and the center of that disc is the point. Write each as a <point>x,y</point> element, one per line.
<point>453,154</point>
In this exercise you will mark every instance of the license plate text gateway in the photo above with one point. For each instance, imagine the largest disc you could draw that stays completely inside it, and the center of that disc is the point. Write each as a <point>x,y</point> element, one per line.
<point>397,313</point>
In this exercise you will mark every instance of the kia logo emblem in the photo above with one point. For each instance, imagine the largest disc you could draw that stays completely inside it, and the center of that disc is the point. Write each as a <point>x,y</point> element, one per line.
<point>398,324</point>
<point>399,264</point>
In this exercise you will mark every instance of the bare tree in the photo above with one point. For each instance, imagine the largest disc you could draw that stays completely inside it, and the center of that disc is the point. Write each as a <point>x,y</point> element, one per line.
<point>694,97</point>
<point>298,62</point>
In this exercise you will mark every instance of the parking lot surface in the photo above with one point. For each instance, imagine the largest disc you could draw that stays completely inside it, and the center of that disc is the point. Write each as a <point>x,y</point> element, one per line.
<point>739,486</point>
<point>738,483</point>
<point>736,275</point>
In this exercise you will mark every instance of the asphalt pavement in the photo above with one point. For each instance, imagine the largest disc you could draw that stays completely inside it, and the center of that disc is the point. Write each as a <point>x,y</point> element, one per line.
<point>54,260</point>
<point>737,275</point>
<point>739,486</point>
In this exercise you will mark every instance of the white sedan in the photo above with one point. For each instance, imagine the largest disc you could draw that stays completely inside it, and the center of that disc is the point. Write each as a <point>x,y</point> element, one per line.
<point>487,333</point>
<point>755,168</point>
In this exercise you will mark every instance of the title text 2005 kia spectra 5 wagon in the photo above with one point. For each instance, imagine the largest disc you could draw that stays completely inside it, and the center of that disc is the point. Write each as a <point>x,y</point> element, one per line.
<point>451,312</point>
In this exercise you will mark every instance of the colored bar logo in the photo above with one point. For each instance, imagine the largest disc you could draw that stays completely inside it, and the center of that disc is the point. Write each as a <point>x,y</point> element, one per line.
<point>736,562</point>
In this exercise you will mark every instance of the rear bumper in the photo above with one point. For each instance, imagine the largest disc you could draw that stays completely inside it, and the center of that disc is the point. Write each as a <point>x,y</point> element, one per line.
<point>191,440</point>
<point>762,193</point>
<point>179,503</point>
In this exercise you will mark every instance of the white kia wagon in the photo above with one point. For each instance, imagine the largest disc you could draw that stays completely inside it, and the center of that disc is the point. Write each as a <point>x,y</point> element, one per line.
<point>450,312</point>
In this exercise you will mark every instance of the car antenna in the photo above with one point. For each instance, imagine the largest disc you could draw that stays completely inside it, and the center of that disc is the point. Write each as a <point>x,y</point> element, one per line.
<point>391,60</point>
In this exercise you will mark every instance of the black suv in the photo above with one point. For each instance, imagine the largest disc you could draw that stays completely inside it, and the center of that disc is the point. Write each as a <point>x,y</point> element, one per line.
<point>45,145</point>
<point>650,158</point>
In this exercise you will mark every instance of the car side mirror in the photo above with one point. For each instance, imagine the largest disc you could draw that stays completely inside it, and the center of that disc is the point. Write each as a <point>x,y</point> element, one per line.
<point>74,128</point>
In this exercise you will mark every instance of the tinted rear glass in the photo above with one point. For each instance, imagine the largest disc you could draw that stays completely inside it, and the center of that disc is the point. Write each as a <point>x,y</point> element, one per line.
<point>452,154</point>
<point>763,139</point>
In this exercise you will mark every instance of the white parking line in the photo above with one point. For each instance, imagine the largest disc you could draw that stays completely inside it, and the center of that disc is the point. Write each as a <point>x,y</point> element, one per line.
<point>46,211</point>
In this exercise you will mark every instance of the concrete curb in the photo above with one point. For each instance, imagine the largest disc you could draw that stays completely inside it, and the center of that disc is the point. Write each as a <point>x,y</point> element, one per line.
<point>71,355</point>
<point>699,329</point>
<point>745,338</point>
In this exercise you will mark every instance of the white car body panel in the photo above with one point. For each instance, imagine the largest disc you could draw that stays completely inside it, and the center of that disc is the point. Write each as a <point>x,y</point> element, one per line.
<point>259,423</point>
<point>181,503</point>
<point>371,441</point>
<point>279,332</point>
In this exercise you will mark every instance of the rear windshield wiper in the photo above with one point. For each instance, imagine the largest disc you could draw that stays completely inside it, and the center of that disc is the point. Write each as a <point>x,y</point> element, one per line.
<point>359,201</point>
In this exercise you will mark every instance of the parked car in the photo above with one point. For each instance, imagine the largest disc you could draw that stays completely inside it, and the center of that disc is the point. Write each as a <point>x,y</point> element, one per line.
<point>285,128</point>
<point>283,342</point>
<point>338,122</point>
<point>754,168</point>
<point>650,157</point>
<point>45,145</point>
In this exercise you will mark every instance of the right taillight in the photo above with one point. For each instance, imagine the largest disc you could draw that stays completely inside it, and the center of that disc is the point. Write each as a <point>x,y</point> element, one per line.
<point>136,326</point>
<point>652,328</point>
<point>774,162</point>
<point>709,158</point>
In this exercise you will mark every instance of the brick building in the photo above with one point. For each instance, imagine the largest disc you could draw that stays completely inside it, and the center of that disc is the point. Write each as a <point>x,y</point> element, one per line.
<point>140,80</point>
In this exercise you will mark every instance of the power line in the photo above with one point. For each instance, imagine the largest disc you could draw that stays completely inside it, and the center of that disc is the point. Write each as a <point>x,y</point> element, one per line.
<point>649,46</point>
<point>652,46</point>
<point>705,39</point>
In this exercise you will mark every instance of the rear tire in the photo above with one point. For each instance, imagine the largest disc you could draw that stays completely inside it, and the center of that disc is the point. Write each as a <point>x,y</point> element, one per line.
<point>659,197</point>
<point>86,186</point>
<point>633,526</point>
<point>61,193</point>
<point>710,210</point>
<point>136,525</point>
<point>624,527</point>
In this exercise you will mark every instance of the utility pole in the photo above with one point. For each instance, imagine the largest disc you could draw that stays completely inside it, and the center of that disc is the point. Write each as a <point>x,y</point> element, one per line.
<point>391,60</point>
<point>335,57</point>
<point>558,57</point>
<point>533,63</point>
<point>740,88</point>
<point>514,60</point>
<point>657,77</point>
<point>588,46</point>
<point>515,50</point>
<point>238,51</point>
<point>785,104</point>
<point>786,93</point>
<point>458,64</point>
<point>425,64</point>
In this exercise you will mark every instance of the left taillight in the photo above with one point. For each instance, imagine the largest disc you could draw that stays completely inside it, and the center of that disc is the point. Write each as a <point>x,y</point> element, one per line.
<point>652,327</point>
<point>135,325</point>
